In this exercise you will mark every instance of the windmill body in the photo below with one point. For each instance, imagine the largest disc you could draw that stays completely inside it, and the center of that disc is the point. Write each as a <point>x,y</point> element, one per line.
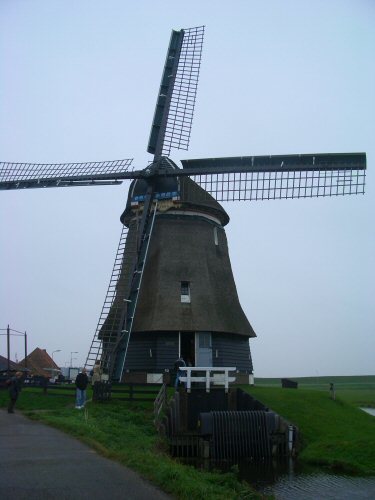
<point>188,303</point>
<point>172,290</point>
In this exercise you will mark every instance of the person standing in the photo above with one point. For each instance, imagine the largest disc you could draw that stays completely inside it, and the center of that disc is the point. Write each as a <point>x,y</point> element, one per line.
<point>96,373</point>
<point>14,388</point>
<point>82,381</point>
<point>179,373</point>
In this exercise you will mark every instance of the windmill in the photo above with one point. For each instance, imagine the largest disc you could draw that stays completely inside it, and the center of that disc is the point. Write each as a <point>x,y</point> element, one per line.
<point>172,289</point>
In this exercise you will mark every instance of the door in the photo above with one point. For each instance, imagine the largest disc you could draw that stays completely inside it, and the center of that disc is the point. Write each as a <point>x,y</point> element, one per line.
<point>187,348</point>
<point>203,348</point>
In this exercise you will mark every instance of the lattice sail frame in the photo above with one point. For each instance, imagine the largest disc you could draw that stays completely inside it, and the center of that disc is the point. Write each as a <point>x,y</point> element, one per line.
<point>26,175</point>
<point>182,104</point>
<point>279,177</point>
<point>282,185</point>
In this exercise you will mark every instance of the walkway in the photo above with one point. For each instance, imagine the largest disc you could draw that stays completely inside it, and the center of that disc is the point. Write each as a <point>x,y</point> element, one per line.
<point>38,462</point>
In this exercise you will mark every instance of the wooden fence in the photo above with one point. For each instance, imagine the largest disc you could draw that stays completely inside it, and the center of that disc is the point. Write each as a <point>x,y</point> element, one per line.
<point>134,392</point>
<point>117,391</point>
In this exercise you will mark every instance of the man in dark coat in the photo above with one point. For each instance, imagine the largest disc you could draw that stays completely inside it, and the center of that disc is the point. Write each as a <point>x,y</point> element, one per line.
<point>82,381</point>
<point>14,387</point>
<point>179,373</point>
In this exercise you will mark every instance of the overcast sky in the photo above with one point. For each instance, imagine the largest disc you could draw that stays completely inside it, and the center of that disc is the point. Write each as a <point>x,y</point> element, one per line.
<point>79,81</point>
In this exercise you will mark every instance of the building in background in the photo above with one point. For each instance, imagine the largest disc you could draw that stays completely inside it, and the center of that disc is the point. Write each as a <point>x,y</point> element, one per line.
<point>40,364</point>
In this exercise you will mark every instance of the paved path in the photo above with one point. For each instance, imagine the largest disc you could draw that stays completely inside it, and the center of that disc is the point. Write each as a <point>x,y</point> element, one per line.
<point>38,462</point>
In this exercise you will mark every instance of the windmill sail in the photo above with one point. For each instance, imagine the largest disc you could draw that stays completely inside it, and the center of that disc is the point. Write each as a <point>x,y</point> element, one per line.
<point>108,327</point>
<point>42,175</point>
<point>279,177</point>
<point>174,110</point>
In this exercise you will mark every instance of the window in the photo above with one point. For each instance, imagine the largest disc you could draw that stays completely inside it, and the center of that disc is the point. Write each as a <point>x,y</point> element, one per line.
<point>204,340</point>
<point>185,292</point>
<point>216,239</point>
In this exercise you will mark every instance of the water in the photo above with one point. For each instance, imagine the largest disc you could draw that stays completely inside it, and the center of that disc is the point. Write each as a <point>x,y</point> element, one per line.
<point>322,486</point>
<point>371,411</point>
<point>286,480</point>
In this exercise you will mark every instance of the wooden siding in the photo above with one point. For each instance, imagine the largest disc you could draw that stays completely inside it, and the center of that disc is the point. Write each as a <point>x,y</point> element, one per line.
<point>231,350</point>
<point>166,350</point>
<point>138,355</point>
<point>156,351</point>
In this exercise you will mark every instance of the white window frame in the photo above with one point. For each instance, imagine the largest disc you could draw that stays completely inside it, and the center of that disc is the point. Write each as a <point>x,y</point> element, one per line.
<point>185,298</point>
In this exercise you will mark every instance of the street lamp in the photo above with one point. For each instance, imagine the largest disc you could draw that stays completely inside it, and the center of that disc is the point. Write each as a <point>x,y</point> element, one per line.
<point>53,352</point>
<point>71,357</point>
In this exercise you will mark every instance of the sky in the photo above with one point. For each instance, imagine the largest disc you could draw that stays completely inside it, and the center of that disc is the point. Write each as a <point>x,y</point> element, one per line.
<point>79,81</point>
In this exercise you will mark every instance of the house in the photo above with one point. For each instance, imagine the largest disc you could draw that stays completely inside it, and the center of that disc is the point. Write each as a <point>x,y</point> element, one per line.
<point>40,363</point>
<point>14,367</point>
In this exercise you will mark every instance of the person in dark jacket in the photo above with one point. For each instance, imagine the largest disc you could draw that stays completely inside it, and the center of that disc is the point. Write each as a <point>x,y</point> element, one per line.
<point>14,388</point>
<point>82,381</point>
<point>179,373</point>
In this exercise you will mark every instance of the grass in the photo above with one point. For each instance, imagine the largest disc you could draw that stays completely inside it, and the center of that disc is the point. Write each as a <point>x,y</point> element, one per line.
<point>334,433</point>
<point>358,390</point>
<point>125,432</point>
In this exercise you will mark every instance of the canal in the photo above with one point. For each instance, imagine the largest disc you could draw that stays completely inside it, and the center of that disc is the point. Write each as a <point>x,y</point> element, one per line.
<point>288,481</point>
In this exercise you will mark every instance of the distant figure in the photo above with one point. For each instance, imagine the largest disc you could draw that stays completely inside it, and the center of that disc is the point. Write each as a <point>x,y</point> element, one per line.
<point>332,391</point>
<point>96,373</point>
<point>14,388</point>
<point>82,381</point>
<point>179,373</point>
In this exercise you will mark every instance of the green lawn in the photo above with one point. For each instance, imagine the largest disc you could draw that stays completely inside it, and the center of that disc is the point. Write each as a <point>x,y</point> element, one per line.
<point>358,390</point>
<point>334,433</point>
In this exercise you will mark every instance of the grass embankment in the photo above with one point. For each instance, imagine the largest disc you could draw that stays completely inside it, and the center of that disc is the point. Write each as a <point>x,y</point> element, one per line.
<point>334,433</point>
<point>358,390</point>
<point>125,432</point>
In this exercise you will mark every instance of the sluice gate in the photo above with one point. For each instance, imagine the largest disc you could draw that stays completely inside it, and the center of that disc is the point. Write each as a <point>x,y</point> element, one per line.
<point>220,426</point>
<point>239,434</point>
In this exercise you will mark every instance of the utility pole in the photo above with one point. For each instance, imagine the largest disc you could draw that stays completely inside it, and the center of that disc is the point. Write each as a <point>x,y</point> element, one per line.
<point>25,350</point>
<point>8,347</point>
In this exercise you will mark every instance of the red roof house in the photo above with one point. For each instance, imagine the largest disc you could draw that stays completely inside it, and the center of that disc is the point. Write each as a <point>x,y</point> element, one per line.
<point>39,362</point>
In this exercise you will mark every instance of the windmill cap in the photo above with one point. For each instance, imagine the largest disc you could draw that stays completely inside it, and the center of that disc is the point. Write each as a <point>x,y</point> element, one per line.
<point>182,191</point>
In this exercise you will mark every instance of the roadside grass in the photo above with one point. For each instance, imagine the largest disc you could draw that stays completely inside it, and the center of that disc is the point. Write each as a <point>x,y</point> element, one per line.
<point>124,431</point>
<point>334,433</point>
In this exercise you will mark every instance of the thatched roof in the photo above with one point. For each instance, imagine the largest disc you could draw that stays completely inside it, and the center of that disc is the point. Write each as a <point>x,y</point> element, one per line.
<point>183,248</point>
<point>38,362</point>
